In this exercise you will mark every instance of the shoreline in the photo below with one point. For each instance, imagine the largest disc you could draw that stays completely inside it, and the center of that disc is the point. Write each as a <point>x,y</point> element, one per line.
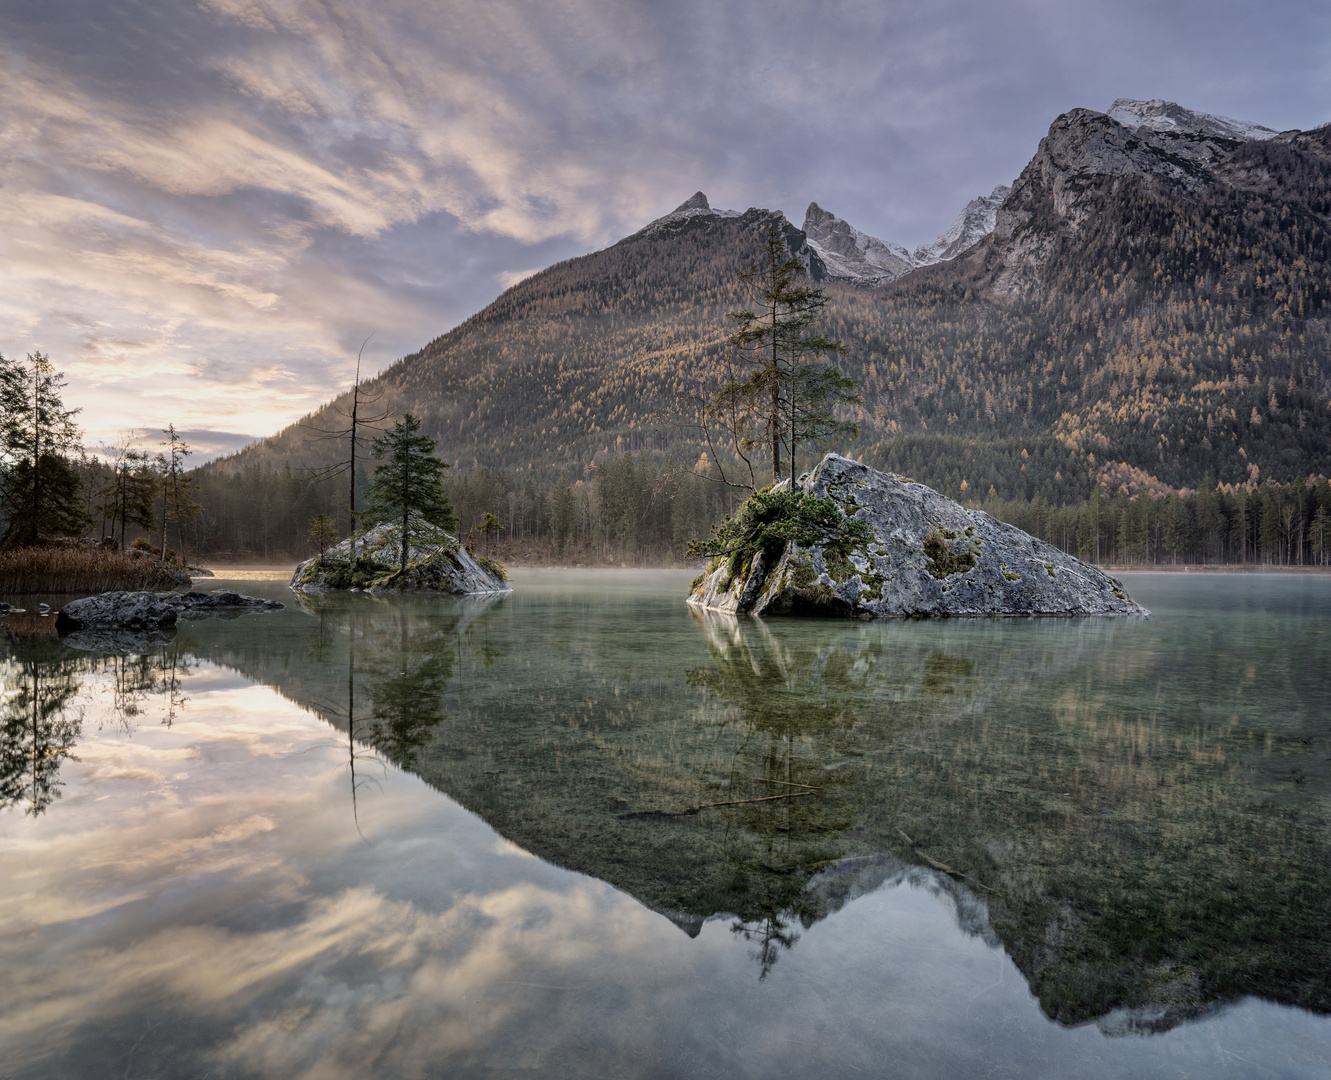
<point>222,570</point>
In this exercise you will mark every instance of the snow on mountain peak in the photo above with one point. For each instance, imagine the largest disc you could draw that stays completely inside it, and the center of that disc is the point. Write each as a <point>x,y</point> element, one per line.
<point>973,224</point>
<point>850,255</point>
<point>695,206</point>
<point>1166,116</point>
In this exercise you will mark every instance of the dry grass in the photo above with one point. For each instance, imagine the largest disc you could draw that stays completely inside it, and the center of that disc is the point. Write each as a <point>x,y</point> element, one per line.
<point>79,569</point>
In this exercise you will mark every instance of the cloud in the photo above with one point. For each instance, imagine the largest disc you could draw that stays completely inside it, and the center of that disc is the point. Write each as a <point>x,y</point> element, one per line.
<point>509,278</point>
<point>263,182</point>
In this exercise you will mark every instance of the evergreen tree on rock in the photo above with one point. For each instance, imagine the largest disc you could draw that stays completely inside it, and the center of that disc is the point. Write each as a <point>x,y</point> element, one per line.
<point>410,481</point>
<point>775,389</point>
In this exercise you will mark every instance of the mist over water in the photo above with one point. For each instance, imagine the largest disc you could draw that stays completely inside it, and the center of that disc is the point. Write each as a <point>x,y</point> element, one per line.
<point>582,830</point>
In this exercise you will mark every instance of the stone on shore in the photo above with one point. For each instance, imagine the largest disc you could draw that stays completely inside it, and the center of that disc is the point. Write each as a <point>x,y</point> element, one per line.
<point>436,562</point>
<point>925,556</point>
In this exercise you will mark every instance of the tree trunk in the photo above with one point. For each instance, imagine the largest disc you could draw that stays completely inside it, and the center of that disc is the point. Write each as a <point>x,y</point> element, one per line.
<point>774,424</point>
<point>406,510</point>
<point>351,500</point>
<point>36,447</point>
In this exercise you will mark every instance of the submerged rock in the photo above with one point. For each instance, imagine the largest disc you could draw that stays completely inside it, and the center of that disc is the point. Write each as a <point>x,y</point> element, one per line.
<point>220,604</point>
<point>925,556</point>
<point>436,562</point>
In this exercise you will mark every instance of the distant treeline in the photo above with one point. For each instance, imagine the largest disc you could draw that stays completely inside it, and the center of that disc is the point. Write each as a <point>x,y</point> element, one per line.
<point>1271,524</point>
<point>631,509</point>
<point>641,510</point>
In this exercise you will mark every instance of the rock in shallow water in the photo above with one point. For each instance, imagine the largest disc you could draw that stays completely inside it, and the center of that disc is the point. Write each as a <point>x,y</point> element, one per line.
<point>927,556</point>
<point>436,562</point>
<point>152,611</point>
<point>128,610</point>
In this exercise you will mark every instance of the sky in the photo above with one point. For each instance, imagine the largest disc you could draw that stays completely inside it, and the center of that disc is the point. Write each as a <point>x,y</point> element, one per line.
<point>206,206</point>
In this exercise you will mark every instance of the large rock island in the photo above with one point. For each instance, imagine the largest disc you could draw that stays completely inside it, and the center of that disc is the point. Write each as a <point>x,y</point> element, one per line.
<point>916,553</point>
<point>436,562</point>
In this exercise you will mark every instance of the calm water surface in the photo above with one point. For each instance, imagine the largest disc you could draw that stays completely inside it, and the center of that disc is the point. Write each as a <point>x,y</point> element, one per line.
<point>584,831</point>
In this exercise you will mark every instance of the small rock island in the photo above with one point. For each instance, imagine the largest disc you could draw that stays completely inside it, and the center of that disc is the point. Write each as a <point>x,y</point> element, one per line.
<point>435,562</point>
<point>915,553</point>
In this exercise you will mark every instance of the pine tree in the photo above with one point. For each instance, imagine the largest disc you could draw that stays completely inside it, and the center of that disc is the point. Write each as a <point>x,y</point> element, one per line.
<point>178,503</point>
<point>323,533</point>
<point>410,482</point>
<point>127,495</point>
<point>775,382</point>
<point>42,489</point>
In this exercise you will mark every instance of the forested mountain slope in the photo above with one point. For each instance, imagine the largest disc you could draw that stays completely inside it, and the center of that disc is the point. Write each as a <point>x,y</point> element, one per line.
<point>1150,303</point>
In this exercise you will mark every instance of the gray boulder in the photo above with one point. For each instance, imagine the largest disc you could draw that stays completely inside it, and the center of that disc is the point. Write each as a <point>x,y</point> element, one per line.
<point>436,562</point>
<point>126,610</point>
<point>927,556</point>
<point>153,611</point>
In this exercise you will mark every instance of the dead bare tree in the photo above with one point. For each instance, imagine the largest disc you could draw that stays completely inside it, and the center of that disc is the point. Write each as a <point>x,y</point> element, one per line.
<point>356,419</point>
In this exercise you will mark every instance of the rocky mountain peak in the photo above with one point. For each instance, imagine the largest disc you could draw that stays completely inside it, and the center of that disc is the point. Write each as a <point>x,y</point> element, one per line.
<point>973,224</point>
<point>694,207</point>
<point>697,201</point>
<point>850,255</point>
<point>1173,151</point>
<point>1159,115</point>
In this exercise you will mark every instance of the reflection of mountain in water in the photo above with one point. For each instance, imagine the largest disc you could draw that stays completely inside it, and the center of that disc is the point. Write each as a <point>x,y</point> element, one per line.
<point>1141,859</point>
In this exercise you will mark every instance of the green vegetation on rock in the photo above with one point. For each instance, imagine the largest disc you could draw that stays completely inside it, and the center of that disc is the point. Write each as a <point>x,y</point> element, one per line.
<point>770,520</point>
<point>952,552</point>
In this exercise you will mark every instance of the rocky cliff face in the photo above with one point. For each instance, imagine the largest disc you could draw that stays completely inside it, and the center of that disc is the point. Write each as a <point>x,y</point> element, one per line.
<point>1088,156</point>
<point>850,255</point>
<point>928,556</point>
<point>973,224</point>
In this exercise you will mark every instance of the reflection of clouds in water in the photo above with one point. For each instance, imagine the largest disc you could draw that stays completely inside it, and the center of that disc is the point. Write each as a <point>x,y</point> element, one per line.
<point>113,881</point>
<point>235,921</point>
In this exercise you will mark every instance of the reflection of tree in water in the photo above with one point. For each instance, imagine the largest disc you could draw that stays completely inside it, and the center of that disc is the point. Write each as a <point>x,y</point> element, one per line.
<point>36,732</point>
<point>42,718</point>
<point>409,667</point>
<point>796,705</point>
<point>135,679</point>
<point>394,659</point>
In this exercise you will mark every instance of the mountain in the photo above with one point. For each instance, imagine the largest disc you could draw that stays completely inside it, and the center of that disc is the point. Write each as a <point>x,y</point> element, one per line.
<point>847,254</point>
<point>1164,116</point>
<point>973,224</point>
<point>1152,301</point>
<point>690,210</point>
<point>850,255</point>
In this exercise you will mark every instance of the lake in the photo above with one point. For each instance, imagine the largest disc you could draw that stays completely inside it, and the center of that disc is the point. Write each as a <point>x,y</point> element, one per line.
<point>585,831</point>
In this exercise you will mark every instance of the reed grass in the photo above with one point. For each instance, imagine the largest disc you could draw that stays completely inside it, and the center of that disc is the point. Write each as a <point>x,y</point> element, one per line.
<point>81,569</point>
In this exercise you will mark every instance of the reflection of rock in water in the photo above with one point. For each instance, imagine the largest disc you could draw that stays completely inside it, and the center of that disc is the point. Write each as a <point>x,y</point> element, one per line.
<point>1030,773</point>
<point>119,641</point>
